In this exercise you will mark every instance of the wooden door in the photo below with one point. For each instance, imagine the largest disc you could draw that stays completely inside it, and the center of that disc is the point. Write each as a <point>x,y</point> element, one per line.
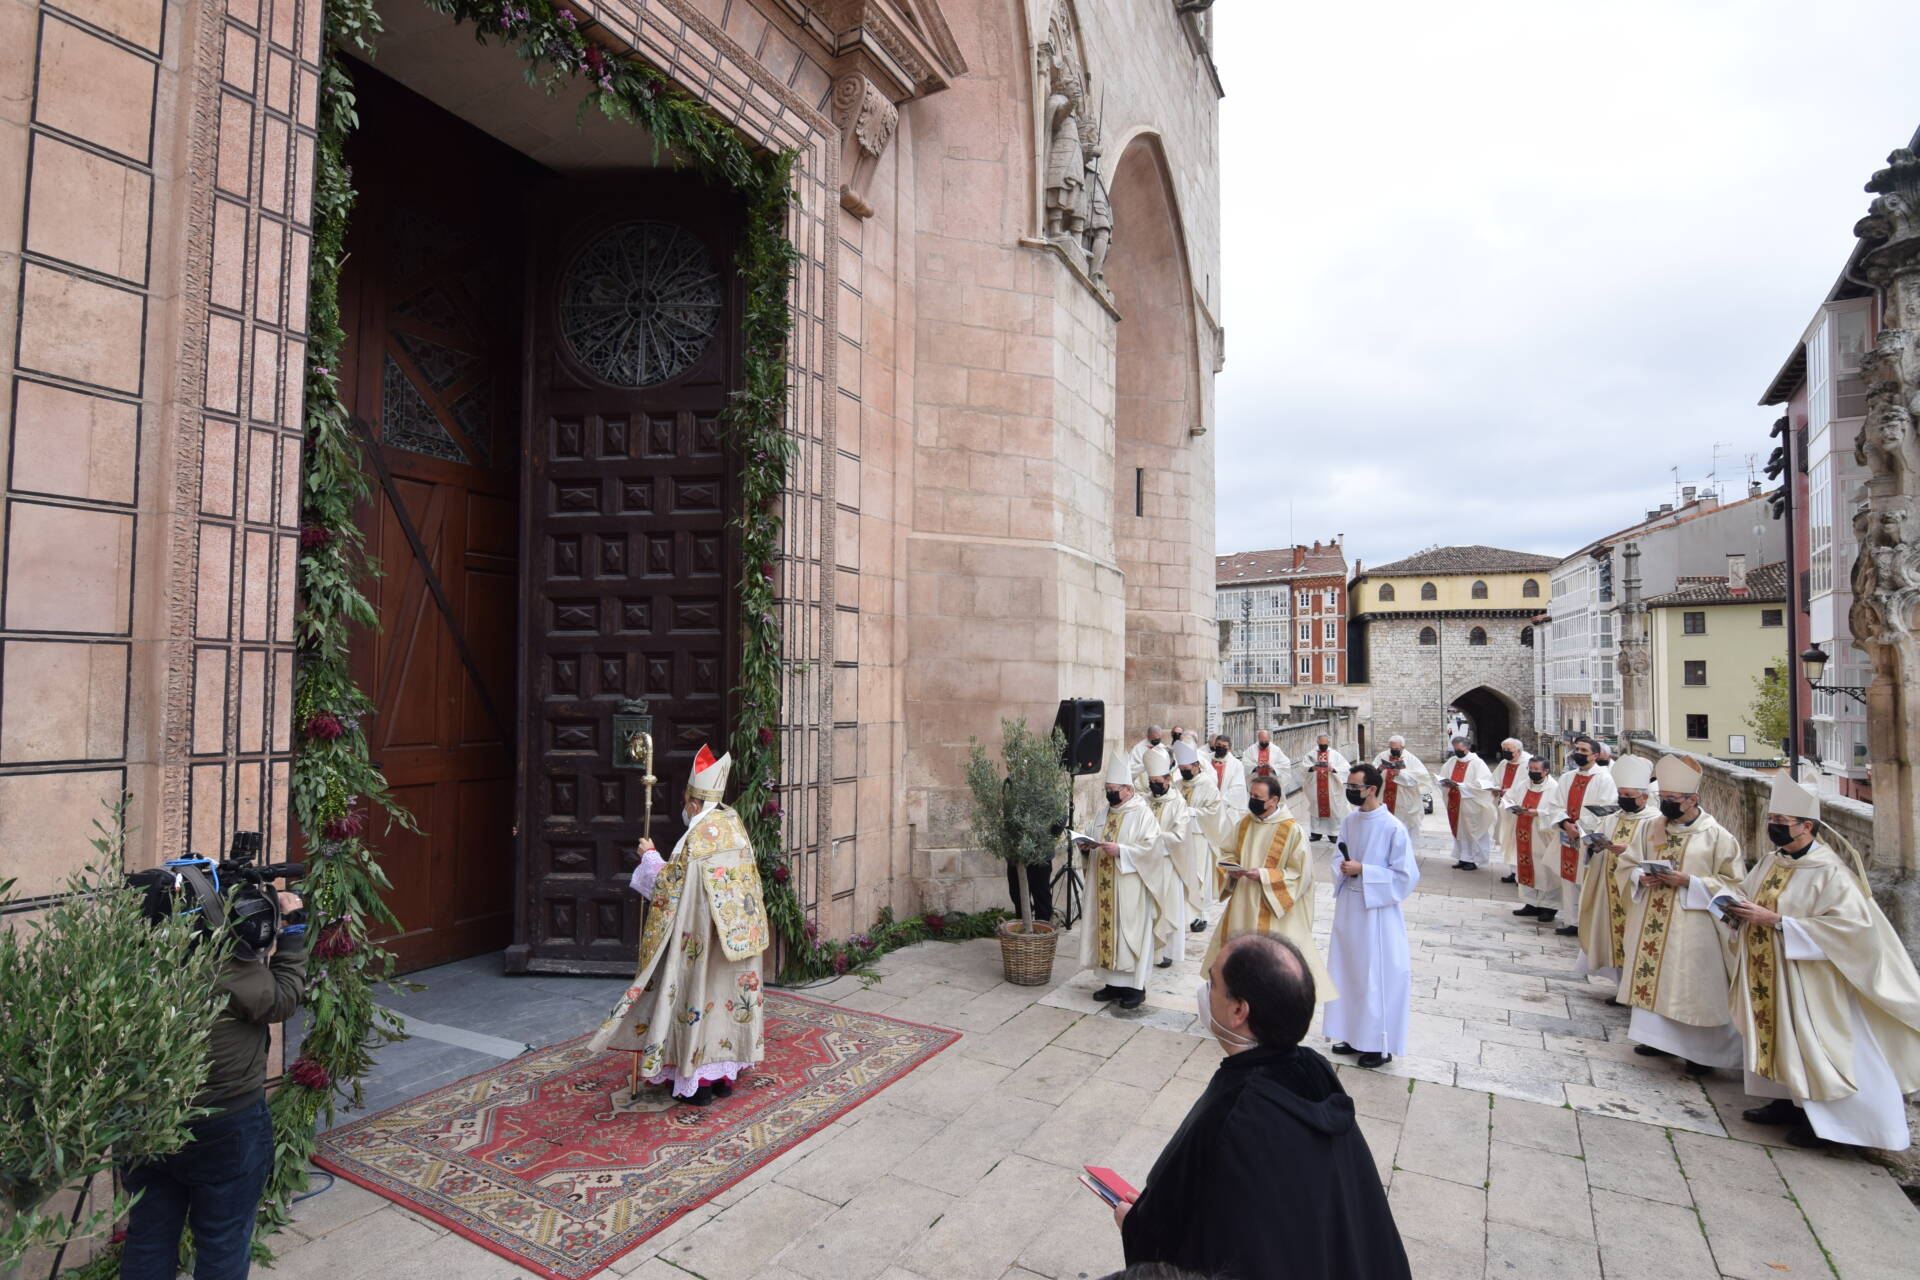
<point>629,565</point>
<point>432,301</point>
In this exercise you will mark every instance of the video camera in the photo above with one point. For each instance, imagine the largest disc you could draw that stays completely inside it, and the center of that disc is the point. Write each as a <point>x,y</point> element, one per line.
<point>237,892</point>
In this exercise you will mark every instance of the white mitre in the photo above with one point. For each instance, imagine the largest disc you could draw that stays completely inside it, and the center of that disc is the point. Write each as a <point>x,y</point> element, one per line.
<point>1632,773</point>
<point>1678,774</point>
<point>1184,754</point>
<point>1119,772</point>
<point>709,781</point>
<point>1792,800</point>
<point>1159,762</point>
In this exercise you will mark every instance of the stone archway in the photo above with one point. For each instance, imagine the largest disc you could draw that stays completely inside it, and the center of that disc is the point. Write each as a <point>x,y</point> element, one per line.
<point>1162,483</point>
<point>1491,716</point>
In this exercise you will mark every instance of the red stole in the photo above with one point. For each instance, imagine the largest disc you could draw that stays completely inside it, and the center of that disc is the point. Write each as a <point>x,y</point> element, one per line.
<point>1320,789</point>
<point>1523,836</point>
<point>1506,781</point>
<point>1570,854</point>
<point>1220,773</point>
<point>1453,797</point>
<point>1392,788</point>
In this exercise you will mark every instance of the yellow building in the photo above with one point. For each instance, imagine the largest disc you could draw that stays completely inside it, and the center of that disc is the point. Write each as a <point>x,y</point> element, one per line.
<point>1711,637</point>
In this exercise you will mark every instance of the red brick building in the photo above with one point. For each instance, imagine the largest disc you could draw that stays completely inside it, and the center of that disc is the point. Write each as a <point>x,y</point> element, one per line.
<point>1287,616</point>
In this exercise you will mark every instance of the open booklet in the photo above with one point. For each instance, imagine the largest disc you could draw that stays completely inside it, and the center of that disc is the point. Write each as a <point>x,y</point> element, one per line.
<point>1719,907</point>
<point>1082,838</point>
<point>1603,810</point>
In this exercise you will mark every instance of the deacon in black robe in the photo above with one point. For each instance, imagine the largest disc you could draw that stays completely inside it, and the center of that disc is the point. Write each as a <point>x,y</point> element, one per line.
<point>1268,1178</point>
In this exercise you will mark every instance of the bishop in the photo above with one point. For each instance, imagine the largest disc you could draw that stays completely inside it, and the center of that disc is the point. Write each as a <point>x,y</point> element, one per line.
<point>1132,894</point>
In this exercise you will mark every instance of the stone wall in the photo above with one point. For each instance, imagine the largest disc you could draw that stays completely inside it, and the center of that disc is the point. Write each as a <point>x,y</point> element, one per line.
<point>1411,683</point>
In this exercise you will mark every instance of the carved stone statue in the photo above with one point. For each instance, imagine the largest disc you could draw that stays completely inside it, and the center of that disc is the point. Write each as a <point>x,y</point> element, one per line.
<point>1066,157</point>
<point>1099,214</point>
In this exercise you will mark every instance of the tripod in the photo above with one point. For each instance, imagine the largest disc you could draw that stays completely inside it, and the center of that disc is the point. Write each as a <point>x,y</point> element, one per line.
<point>1069,884</point>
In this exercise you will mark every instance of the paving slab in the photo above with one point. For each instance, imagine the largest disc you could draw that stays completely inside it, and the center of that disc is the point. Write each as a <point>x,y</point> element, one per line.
<point>1633,1159</point>
<point>1517,1251</point>
<point>865,1236</point>
<point>1445,1135</point>
<point>861,1153</point>
<point>1755,1236</point>
<point>737,1242</point>
<point>1646,1240</point>
<point>1542,1191</point>
<point>1528,1124</point>
<point>982,1235</point>
<point>968,1148</point>
<point>1859,1213</point>
<point>1436,1211</point>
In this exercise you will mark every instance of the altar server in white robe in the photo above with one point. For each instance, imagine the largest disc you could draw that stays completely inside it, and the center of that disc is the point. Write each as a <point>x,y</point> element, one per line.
<point>1603,885</point>
<point>1323,789</point>
<point>1137,755</point>
<point>1507,771</point>
<point>1265,755</point>
<point>1373,872</point>
<point>1467,786</point>
<point>1132,888</point>
<point>1228,773</point>
<point>1533,814</point>
<point>1405,782</point>
<point>1177,824</point>
<point>1211,827</point>
<point>1678,970</point>
<point>1585,783</point>
<point>1824,994</point>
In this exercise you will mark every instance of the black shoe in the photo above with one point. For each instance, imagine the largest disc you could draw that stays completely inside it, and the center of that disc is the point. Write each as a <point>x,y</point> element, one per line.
<point>1528,910</point>
<point>1316,836</point>
<point>702,1096</point>
<point>1344,1047</point>
<point>1802,1135</point>
<point>1198,926</point>
<point>1131,998</point>
<point>1374,1060</point>
<point>1568,930</point>
<point>1109,992</point>
<point>1463,865</point>
<point>1546,915</point>
<point>1779,1111</point>
<point>1618,1003</point>
<point>1164,964</point>
<point>1510,878</point>
<point>1697,1068</point>
<point>1648,1051</point>
<point>722,1088</point>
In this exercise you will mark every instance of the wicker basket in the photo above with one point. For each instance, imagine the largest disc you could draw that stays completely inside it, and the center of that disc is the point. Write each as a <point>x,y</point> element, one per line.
<point>1027,957</point>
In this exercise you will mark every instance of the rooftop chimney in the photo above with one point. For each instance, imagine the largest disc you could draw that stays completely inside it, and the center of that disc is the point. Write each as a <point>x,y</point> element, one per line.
<point>1709,499</point>
<point>1653,513</point>
<point>1686,494</point>
<point>1753,488</point>
<point>1736,573</point>
<point>1666,508</point>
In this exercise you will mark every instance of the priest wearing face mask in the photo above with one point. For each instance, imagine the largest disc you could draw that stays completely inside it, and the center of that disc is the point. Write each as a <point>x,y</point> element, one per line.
<point>1603,886</point>
<point>1177,824</point>
<point>1824,994</point>
<point>1584,783</point>
<point>1264,758</point>
<point>1534,812</point>
<point>1323,773</point>
<point>1228,773</point>
<point>1467,784</point>
<point>1405,781</point>
<point>1677,969</point>
<point>1129,895</point>
<point>1507,771</point>
<point>1212,824</point>
<point>1137,756</point>
<point>1373,872</point>
<point>1266,878</point>
<point>1268,1175</point>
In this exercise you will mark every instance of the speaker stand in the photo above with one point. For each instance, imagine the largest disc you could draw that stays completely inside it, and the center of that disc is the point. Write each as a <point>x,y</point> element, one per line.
<point>1069,885</point>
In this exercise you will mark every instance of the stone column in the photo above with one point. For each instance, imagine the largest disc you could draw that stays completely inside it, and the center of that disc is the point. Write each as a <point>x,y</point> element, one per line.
<point>1634,662</point>
<point>1886,574</point>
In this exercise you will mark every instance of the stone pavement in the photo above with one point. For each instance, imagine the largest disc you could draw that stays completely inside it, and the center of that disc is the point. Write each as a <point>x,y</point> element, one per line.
<point>1522,1137</point>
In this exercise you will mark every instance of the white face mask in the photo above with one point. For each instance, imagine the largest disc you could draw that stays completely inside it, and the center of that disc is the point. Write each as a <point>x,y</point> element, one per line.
<point>1228,1037</point>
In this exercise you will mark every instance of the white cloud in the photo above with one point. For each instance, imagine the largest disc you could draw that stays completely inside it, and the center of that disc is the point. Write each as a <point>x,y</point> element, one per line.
<point>1493,269</point>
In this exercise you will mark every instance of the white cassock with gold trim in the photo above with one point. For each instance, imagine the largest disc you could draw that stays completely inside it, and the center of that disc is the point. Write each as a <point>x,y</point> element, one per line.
<point>1604,892</point>
<point>1129,893</point>
<point>1177,823</point>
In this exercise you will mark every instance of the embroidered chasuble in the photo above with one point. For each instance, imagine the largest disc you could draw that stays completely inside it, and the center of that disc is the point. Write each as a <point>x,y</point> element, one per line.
<point>1576,791</point>
<point>1531,834</point>
<point>1403,782</point>
<point>1506,775</point>
<point>1279,902</point>
<point>1674,958</point>
<point>1604,895</point>
<point>1802,995</point>
<point>695,1001</point>
<point>1132,897</point>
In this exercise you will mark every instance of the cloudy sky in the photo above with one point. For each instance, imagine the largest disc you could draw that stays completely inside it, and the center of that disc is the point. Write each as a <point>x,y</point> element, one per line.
<point>1493,268</point>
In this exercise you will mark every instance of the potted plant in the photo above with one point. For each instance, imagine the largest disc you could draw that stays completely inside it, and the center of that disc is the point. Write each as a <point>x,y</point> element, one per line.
<point>1016,817</point>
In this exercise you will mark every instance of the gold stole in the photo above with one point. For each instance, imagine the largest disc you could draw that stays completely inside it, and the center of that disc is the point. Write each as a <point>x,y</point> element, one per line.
<point>1655,926</point>
<point>1268,861</point>
<point>1622,833</point>
<point>1106,907</point>
<point>1763,977</point>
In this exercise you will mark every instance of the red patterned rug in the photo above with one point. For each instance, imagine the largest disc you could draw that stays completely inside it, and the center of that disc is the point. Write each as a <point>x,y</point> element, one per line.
<point>539,1161</point>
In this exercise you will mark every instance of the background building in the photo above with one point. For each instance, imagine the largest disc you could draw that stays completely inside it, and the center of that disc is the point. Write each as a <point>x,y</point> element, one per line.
<point>1711,638</point>
<point>1450,627</point>
<point>1285,618</point>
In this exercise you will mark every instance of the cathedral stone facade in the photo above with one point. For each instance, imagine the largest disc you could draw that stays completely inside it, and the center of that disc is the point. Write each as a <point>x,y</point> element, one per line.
<point>1006,327</point>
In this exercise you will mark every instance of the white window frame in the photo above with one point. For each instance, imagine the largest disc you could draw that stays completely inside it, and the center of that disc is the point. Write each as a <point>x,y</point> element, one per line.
<point>1330,632</point>
<point>1330,665</point>
<point>1306,666</point>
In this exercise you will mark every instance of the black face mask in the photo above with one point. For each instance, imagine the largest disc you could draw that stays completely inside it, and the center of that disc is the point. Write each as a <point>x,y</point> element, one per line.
<point>1512,755</point>
<point>1395,753</point>
<point>1580,759</point>
<point>1356,795</point>
<point>1780,833</point>
<point>1537,777</point>
<point>1670,810</point>
<point>1460,752</point>
<point>1156,786</point>
<point>1155,741</point>
<point>1256,806</point>
<point>1218,752</point>
<point>1185,776</point>
<point>1178,734</point>
<point>1630,805</point>
<point>1113,797</point>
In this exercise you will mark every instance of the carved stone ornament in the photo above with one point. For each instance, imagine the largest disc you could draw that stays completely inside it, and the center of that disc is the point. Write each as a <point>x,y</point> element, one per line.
<point>1066,119</point>
<point>867,123</point>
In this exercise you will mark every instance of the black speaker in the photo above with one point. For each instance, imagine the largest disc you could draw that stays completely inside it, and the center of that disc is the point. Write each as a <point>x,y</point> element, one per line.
<point>1083,722</point>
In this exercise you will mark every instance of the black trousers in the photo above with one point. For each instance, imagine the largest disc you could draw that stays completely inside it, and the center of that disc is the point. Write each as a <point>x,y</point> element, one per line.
<point>1039,884</point>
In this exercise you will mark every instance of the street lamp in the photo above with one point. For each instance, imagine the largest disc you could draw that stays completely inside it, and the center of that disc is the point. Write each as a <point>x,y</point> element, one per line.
<point>1814,663</point>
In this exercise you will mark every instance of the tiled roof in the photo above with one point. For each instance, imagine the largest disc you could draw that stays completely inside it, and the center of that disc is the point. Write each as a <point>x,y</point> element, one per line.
<point>1765,585</point>
<point>1442,561</point>
<point>1278,565</point>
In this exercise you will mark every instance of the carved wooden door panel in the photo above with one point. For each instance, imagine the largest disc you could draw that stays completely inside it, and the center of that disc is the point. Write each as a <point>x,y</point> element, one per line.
<point>629,567</point>
<point>431,301</point>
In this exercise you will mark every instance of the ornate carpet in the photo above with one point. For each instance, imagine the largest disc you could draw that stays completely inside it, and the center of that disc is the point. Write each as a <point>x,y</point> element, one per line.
<point>545,1161</point>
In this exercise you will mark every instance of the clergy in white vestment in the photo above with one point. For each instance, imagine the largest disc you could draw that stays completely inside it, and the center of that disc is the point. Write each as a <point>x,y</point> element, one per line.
<point>695,1012</point>
<point>1532,833</point>
<point>1824,994</point>
<point>1131,890</point>
<point>1323,789</point>
<point>1507,770</point>
<point>1467,785</point>
<point>1404,784</point>
<point>1583,787</point>
<point>1603,886</point>
<point>1228,773</point>
<point>1373,872</point>
<point>1177,824</point>
<point>1265,876</point>
<point>1264,756</point>
<point>1137,755</point>
<point>1212,824</point>
<point>1678,969</point>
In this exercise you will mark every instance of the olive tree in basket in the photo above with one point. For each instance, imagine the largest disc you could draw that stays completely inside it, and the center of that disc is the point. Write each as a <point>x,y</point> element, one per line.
<point>1017,808</point>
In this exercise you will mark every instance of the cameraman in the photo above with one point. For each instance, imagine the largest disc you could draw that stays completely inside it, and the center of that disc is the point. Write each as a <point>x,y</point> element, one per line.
<point>214,1182</point>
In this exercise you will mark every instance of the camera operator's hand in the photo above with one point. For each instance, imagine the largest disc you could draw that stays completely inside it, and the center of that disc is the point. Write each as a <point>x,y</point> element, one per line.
<point>289,902</point>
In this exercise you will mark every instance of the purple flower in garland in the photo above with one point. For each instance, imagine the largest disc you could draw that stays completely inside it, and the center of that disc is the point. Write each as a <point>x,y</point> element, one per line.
<point>766,736</point>
<point>597,64</point>
<point>771,809</point>
<point>315,536</point>
<point>840,962</point>
<point>346,826</point>
<point>781,874</point>
<point>310,1074</point>
<point>325,726</point>
<point>860,942</point>
<point>334,942</point>
<point>564,16</point>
